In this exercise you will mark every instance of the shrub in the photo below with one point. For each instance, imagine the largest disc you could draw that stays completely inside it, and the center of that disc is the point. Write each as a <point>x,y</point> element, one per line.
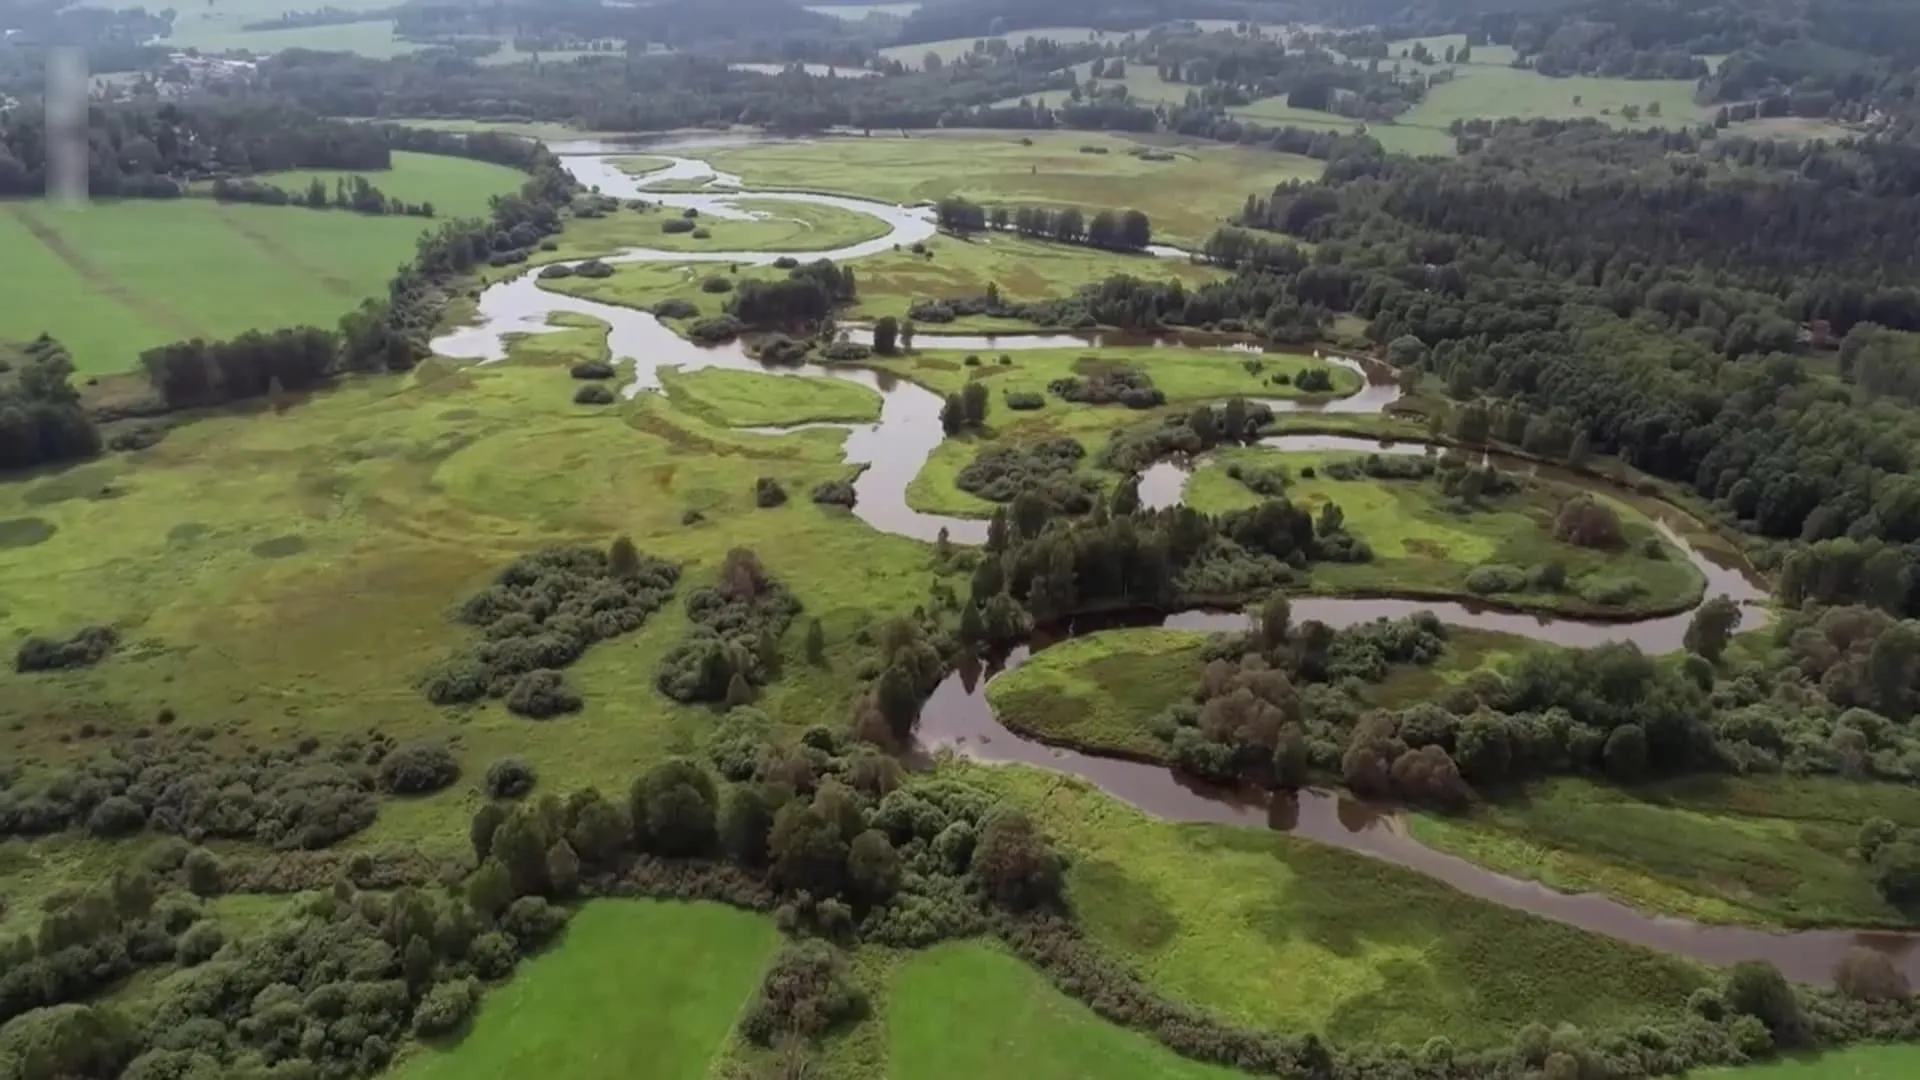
<point>1104,383</point>
<point>835,493</point>
<point>199,943</point>
<point>1496,578</point>
<point>593,394</point>
<point>87,647</point>
<point>781,349</point>
<point>116,815</point>
<point>532,922</point>
<point>593,268</point>
<point>716,284</point>
<point>592,369</point>
<point>767,493</point>
<point>1611,592</point>
<point>542,693</point>
<point>677,225</point>
<point>702,234</point>
<point>510,778</point>
<point>736,628</point>
<point>1869,975</point>
<point>445,1007</point>
<point>418,768</point>
<point>203,872</point>
<point>1048,469</point>
<point>785,262</point>
<point>846,351</point>
<point>1586,521</point>
<point>557,270</point>
<point>1315,381</point>
<point>676,309</point>
<point>714,331</point>
<point>806,993</point>
<point>1024,400</point>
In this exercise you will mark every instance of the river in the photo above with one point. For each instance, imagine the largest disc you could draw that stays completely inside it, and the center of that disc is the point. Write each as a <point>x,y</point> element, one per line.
<point>957,716</point>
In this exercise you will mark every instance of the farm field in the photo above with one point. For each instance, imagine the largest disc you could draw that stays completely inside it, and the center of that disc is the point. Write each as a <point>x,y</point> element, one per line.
<point>114,278</point>
<point>1186,198</point>
<point>636,987</point>
<point>1423,545</point>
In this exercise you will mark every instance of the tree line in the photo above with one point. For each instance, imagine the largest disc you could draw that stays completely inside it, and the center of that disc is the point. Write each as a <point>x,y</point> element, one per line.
<point>354,193</point>
<point>41,419</point>
<point>1122,230</point>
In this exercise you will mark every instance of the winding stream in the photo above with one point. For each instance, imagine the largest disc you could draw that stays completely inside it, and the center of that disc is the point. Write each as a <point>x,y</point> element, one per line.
<point>896,447</point>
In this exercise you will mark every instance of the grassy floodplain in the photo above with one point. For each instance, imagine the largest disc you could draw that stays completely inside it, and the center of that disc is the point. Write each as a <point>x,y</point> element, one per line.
<point>1855,1063</point>
<point>751,399</point>
<point>1184,375</point>
<point>1024,270</point>
<point>781,226</point>
<point>1100,691</point>
<point>1186,198</point>
<point>1284,934</point>
<point>635,988</point>
<point>113,278</point>
<point>1423,548</point>
<point>1765,851</point>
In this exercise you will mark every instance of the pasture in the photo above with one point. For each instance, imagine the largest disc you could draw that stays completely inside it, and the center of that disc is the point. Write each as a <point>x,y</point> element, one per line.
<point>1186,198</point>
<point>634,988</point>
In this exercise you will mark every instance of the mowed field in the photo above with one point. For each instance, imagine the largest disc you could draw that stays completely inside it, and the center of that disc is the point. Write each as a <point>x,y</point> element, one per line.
<point>635,988</point>
<point>1186,198</point>
<point>114,278</point>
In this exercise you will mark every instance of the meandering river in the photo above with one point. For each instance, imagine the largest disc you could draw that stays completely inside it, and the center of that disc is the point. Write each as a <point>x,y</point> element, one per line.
<point>897,446</point>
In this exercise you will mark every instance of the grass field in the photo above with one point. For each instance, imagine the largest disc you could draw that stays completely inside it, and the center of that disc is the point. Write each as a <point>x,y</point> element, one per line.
<point>784,226</point>
<point>914,56</point>
<point>856,12</point>
<point>635,988</point>
<point>1024,270</point>
<point>1423,548</point>
<point>1762,851</point>
<point>114,278</point>
<point>457,187</point>
<point>291,574</point>
<point>1856,1063</point>
<point>1284,934</point>
<point>373,38</point>
<point>1184,375</point>
<point>1100,691</point>
<point>1186,198</point>
<point>965,1010</point>
<point>751,399</point>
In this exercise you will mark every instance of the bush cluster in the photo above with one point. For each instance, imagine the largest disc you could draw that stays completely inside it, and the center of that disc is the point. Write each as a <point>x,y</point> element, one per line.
<point>676,309</point>
<point>1046,470</point>
<point>715,330</point>
<point>1238,420</point>
<point>677,225</point>
<point>834,493</point>
<point>593,394</point>
<point>418,768</point>
<point>510,778</point>
<point>541,612</point>
<point>593,268</point>
<point>1105,383</point>
<point>1588,522</point>
<point>767,493</point>
<point>1023,400</point>
<point>88,646</point>
<point>592,369</point>
<point>716,284</point>
<point>734,637</point>
<point>808,992</point>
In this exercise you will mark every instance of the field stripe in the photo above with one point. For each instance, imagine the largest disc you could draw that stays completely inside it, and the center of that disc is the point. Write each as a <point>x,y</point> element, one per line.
<point>279,252</point>
<point>100,280</point>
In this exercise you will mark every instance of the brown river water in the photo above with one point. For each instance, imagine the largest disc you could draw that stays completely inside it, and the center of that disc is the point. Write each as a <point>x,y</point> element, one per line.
<point>958,718</point>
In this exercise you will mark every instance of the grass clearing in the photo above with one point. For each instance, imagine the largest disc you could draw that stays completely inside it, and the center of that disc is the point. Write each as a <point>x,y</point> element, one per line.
<point>1284,934</point>
<point>1898,1062</point>
<point>753,399</point>
<point>1758,851</point>
<point>1423,548</point>
<point>1186,198</point>
<point>1100,691</point>
<point>635,988</point>
<point>1024,270</point>
<point>967,1009</point>
<point>951,49</point>
<point>372,38</point>
<point>114,278</point>
<point>457,187</point>
<point>284,575</point>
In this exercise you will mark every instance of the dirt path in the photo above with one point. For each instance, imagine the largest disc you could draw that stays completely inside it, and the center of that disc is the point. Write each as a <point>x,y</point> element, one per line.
<point>279,252</point>
<point>101,281</point>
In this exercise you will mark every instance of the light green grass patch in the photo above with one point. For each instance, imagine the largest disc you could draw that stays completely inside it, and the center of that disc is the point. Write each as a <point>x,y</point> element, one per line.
<point>755,399</point>
<point>965,1010</point>
<point>1186,198</point>
<point>1101,690</point>
<point>1024,270</point>
<point>1468,651</point>
<point>951,49</point>
<point>1684,850</point>
<point>856,12</point>
<point>640,164</point>
<point>784,226</point>
<point>1899,1062</point>
<point>634,988</point>
<point>373,38</point>
<point>1423,548</point>
<point>1283,934</point>
<point>457,187</point>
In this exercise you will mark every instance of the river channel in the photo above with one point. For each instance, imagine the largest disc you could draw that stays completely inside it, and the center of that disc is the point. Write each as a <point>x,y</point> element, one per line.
<point>957,716</point>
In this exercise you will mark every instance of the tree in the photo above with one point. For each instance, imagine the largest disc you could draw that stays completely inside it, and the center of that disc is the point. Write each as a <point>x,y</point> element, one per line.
<point>521,846</point>
<point>997,537</point>
<point>1473,424</point>
<point>1866,974</point>
<point>973,628</point>
<point>1013,863</point>
<point>1276,614</point>
<point>1891,667</point>
<point>486,821</point>
<point>623,559</point>
<point>563,868</point>
<point>1136,231</point>
<point>974,403</point>
<point>675,800</point>
<point>807,851</point>
<point>490,889</point>
<point>873,867</point>
<point>1756,988</point>
<point>953,415</point>
<point>906,335</point>
<point>738,692</point>
<point>1126,496</point>
<point>1896,871</point>
<point>746,822</point>
<point>1712,627</point>
<point>599,831</point>
<point>1625,753</point>
<point>886,335</point>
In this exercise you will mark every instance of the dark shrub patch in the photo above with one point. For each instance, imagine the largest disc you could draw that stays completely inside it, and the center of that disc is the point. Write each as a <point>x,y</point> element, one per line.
<point>737,625</point>
<point>510,778</point>
<point>593,394</point>
<point>593,268</point>
<point>280,547</point>
<point>720,328</point>
<point>677,225</point>
<point>1024,400</point>
<point>1002,472</point>
<point>543,610</point>
<point>676,309</point>
<point>556,271</point>
<point>542,693</point>
<point>87,647</point>
<point>806,993</point>
<point>592,369</point>
<point>716,284</point>
<point>137,438</point>
<point>1103,383</point>
<point>846,351</point>
<point>702,234</point>
<point>785,262</point>
<point>418,768</point>
<point>25,532</point>
<point>1315,381</point>
<point>834,493</point>
<point>767,493</point>
<point>781,349</point>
